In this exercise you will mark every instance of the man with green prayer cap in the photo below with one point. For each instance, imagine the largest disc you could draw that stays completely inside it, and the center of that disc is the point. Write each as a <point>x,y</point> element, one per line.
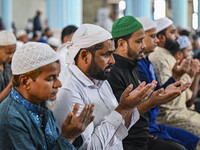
<point>128,34</point>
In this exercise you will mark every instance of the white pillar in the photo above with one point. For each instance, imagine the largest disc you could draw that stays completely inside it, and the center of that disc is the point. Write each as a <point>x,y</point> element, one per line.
<point>6,8</point>
<point>180,12</point>
<point>61,13</point>
<point>138,8</point>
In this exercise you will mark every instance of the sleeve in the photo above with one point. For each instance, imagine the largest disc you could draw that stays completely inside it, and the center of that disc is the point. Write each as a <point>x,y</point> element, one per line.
<point>135,117</point>
<point>168,82</point>
<point>16,135</point>
<point>184,79</point>
<point>118,87</point>
<point>144,76</point>
<point>162,70</point>
<point>62,144</point>
<point>108,133</point>
<point>116,83</point>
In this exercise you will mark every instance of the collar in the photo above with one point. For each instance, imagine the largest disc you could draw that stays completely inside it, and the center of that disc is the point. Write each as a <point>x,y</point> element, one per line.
<point>124,62</point>
<point>83,78</point>
<point>26,103</point>
<point>164,50</point>
<point>146,60</point>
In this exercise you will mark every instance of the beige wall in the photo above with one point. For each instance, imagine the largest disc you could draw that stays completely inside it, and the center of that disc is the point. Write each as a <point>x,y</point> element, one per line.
<point>90,10</point>
<point>24,9</point>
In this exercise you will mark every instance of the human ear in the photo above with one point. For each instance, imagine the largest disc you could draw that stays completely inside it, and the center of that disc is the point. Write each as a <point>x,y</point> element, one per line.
<point>84,54</point>
<point>161,37</point>
<point>24,81</point>
<point>122,44</point>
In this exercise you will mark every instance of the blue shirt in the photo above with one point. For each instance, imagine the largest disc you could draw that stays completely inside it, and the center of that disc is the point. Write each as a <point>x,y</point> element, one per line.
<point>5,76</point>
<point>185,138</point>
<point>24,125</point>
<point>147,74</point>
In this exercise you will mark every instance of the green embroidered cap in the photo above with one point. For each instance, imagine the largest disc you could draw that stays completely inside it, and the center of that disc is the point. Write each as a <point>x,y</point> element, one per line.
<point>124,26</point>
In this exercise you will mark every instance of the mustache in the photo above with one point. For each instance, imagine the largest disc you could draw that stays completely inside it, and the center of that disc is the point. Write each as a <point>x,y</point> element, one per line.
<point>142,51</point>
<point>108,67</point>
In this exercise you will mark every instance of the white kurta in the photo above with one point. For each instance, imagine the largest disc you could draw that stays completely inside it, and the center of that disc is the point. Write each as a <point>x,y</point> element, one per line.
<point>107,130</point>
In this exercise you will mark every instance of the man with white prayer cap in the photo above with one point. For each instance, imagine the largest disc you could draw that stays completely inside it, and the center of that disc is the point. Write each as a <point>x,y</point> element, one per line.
<point>25,121</point>
<point>185,51</point>
<point>7,49</point>
<point>90,60</point>
<point>22,38</point>
<point>146,71</point>
<point>66,36</point>
<point>174,113</point>
<point>163,23</point>
<point>53,42</point>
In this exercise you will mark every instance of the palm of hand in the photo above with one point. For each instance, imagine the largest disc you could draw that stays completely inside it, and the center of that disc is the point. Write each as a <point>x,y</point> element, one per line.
<point>182,68</point>
<point>74,128</point>
<point>194,68</point>
<point>171,92</point>
<point>75,125</point>
<point>129,100</point>
<point>171,88</point>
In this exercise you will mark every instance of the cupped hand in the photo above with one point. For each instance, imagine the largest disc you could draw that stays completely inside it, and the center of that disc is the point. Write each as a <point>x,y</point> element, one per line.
<point>74,125</point>
<point>130,100</point>
<point>180,68</point>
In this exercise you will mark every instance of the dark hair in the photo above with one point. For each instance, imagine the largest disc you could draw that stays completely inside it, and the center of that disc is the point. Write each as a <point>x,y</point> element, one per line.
<point>38,12</point>
<point>68,31</point>
<point>46,29</point>
<point>163,32</point>
<point>32,74</point>
<point>174,52</point>
<point>126,37</point>
<point>197,55</point>
<point>91,49</point>
<point>184,32</point>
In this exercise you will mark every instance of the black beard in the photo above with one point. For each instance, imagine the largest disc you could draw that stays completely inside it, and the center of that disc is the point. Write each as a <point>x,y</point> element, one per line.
<point>95,72</point>
<point>171,46</point>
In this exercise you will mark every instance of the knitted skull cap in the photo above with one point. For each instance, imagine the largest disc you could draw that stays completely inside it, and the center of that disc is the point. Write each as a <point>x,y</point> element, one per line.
<point>183,41</point>
<point>163,23</point>
<point>31,56</point>
<point>53,41</point>
<point>147,23</point>
<point>20,33</point>
<point>125,25</point>
<point>7,38</point>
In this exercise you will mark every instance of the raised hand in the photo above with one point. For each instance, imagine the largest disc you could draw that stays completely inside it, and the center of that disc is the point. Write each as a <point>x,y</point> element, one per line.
<point>172,91</point>
<point>129,99</point>
<point>74,125</point>
<point>194,68</point>
<point>160,97</point>
<point>180,68</point>
<point>176,86</point>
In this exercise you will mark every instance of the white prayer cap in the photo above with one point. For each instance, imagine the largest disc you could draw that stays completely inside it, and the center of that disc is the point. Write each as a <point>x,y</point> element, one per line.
<point>147,23</point>
<point>183,41</point>
<point>7,38</point>
<point>163,23</point>
<point>20,33</point>
<point>53,41</point>
<point>85,36</point>
<point>31,56</point>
